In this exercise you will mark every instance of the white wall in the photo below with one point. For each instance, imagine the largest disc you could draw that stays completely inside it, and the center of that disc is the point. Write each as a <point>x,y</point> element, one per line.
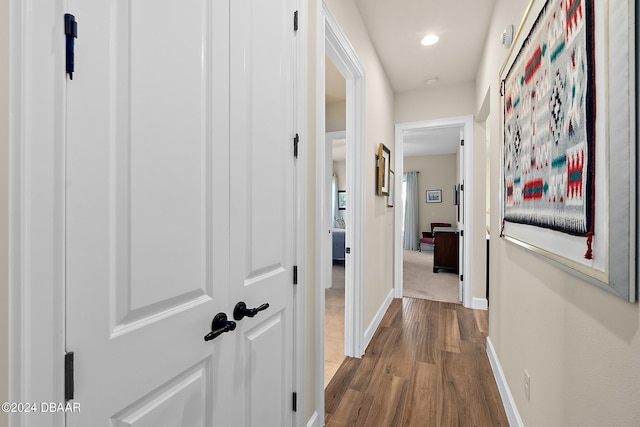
<point>580,344</point>
<point>436,173</point>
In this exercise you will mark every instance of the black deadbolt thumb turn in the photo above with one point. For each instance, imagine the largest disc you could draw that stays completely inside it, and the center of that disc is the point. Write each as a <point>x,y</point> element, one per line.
<point>219,326</point>
<point>241,310</point>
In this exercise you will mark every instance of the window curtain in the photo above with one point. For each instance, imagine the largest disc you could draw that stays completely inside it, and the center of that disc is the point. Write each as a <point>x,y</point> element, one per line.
<point>411,213</point>
<point>334,200</point>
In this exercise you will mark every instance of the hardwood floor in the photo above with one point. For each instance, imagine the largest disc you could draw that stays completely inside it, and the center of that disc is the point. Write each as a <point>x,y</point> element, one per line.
<point>426,366</point>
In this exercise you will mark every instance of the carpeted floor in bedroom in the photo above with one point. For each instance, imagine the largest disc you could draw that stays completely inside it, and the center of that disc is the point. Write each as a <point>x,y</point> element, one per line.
<point>421,282</point>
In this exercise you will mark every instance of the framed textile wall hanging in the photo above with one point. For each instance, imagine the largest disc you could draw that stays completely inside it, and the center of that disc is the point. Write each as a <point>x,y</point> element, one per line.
<point>569,141</point>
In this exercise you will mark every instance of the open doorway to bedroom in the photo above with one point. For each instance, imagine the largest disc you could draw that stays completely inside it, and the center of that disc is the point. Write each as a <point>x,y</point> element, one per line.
<point>460,191</point>
<point>430,209</point>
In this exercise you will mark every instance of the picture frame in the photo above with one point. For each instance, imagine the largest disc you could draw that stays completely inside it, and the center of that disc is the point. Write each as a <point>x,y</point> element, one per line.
<point>601,194</point>
<point>434,196</point>
<point>342,200</point>
<point>391,188</point>
<point>384,165</point>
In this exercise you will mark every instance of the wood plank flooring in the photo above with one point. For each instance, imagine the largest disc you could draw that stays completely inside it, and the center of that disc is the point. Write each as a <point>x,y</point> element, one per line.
<point>425,366</point>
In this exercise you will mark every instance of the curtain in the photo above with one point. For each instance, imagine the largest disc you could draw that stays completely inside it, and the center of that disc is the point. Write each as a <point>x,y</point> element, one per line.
<point>334,200</point>
<point>411,213</point>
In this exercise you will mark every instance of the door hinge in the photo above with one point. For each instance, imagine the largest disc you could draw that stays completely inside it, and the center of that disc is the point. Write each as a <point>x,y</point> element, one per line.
<point>71,33</point>
<point>68,376</point>
<point>296,140</point>
<point>462,142</point>
<point>295,402</point>
<point>347,250</point>
<point>461,187</point>
<point>295,274</point>
<point>295,21</point>
<point>462,277</point>
<point>461,233</point>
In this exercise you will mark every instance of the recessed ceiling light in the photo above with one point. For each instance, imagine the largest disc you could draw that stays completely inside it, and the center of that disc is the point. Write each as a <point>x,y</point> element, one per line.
<point>430,39</point>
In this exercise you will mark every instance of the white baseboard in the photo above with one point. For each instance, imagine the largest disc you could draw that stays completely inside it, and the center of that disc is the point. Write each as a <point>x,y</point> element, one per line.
<point>314,421</point>
<point>505,393</point>
<point>480,304</point>
<point>373,326</point>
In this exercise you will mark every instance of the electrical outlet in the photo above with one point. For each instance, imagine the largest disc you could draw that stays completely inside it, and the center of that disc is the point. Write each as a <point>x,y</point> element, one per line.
<point>527,385</point>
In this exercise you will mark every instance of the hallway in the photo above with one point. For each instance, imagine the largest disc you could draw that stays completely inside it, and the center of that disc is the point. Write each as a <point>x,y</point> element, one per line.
<point>426,366</point>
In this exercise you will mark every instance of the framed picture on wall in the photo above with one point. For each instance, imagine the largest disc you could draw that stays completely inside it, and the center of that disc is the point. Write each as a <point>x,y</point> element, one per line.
<point>384,165</point>
<point>434,196</point>
<point>342,200</point>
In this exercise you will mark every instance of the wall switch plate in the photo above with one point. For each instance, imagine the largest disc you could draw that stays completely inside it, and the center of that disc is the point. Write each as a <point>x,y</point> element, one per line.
<point>527,385</point>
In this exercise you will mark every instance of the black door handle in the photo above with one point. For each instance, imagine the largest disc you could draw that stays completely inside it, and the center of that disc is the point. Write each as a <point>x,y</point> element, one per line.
<point>219,326</point>
<point>241,310</point>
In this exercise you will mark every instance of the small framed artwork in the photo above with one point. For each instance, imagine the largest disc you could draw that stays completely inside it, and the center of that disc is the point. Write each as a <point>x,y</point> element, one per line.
<point>391,184</point>
<point>384,164</point>
<point>342,200</point>
<point>434,196</point>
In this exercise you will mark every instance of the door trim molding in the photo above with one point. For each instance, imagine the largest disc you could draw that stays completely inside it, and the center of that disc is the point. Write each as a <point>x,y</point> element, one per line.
<point>300,216</point>
<point>332,41</point>
<point>36,210</point>
<point>466,122</point>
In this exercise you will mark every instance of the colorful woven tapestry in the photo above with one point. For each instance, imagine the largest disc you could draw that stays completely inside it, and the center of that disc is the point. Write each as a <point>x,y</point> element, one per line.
<point>549,122</point>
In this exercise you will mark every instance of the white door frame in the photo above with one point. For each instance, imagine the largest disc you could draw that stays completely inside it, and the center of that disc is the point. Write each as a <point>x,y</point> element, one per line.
<point>466,123</point>
<point>37,209</point>
<point>332,42</point>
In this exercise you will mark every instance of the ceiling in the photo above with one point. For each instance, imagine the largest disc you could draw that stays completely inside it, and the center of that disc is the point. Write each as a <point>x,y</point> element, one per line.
<point>396,29</point>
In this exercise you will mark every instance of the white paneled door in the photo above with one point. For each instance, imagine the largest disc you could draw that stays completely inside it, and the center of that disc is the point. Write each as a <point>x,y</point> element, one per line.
<point>179,205</point>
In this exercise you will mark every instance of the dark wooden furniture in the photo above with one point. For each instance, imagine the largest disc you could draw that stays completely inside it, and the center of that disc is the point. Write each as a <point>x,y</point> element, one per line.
<point>445,254</point>
<point>426,242</point>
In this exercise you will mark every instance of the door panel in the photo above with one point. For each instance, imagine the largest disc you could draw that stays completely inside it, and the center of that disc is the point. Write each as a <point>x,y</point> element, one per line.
<point>179,204</point>
<point>189,391</point>
<point>261,222</point>
<point>264,344</point>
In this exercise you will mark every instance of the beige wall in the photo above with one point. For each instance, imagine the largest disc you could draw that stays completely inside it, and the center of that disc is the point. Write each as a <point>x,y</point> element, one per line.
<point>378,278</point>
<point>580,344</point>
<point>336,116</point>
<point>435,103</point>
<point>4,204</point>
<point>436,173</point>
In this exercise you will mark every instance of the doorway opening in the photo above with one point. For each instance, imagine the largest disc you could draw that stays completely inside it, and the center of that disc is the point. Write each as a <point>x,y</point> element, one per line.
<point>334,351</point>
<point>462,125</point>
<point>336,203</point>
<point>430,208</point>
